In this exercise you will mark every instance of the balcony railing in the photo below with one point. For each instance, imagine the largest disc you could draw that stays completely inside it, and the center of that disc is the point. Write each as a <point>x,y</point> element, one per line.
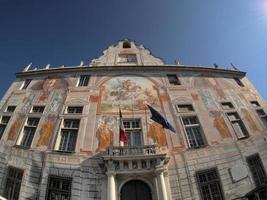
<point>133,150</point>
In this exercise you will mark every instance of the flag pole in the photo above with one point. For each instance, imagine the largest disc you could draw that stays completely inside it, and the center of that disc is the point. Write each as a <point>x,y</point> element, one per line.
<point>146,126</point>
<point>120,121</point>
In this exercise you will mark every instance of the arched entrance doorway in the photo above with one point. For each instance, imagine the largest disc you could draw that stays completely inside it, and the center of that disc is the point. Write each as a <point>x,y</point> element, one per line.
<point>135,190</point>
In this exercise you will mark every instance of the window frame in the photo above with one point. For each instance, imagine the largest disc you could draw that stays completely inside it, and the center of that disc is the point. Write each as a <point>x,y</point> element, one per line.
<point>239,121</point>
<point>132,131</point>
<point>185,104</point>
<point>81,83</point>
<point>27,126</point>
<point>37,106</point>
<point>239,81</point>
<point>200,129</point>
<point>262,116</point>
<point>25,84</point>
<point>193,113</point>
<point>209,182</point>
<point>59,135</point>
<point>10,106</point>
<point>62,178</point>
<point>223,103</point>
<point>131,58</point>
<point>261,166</point>
<point>171,82</point>
<point>74,106</point>
<point>14,181</point>
<point>3,124</point>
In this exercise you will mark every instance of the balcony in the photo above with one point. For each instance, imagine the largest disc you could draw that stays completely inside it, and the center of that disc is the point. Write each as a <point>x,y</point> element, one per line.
<point>134,159</point>
<point>125,151</point>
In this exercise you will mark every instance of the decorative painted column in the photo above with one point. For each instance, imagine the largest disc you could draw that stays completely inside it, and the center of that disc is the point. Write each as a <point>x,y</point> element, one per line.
<point>161,179</point>
<point>111,190</point>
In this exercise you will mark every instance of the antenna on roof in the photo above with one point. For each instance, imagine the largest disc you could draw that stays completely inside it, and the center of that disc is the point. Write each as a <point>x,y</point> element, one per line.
<point>27,67</point>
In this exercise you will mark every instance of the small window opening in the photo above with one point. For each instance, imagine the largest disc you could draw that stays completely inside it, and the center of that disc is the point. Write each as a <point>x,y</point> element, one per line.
<point>126,45</point>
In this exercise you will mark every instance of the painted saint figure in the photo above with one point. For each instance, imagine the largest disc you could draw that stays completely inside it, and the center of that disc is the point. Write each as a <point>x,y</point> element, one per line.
<point>105,136</point>
<point>156,132</point>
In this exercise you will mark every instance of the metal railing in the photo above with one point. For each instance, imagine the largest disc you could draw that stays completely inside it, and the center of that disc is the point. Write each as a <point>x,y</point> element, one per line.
<point>133,150</point>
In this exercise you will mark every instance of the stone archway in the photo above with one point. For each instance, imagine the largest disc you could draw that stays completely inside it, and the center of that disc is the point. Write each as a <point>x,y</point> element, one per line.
<point>135,190</point>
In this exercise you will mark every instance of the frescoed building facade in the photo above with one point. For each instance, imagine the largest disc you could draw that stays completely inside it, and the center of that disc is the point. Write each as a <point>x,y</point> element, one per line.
<point>59,131</point>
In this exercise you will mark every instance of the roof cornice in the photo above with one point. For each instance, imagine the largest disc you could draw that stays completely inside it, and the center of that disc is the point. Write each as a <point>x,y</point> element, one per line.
<point>119,68</point>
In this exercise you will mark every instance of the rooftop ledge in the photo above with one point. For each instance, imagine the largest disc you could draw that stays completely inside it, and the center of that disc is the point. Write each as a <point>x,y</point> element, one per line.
<point>135,68</point>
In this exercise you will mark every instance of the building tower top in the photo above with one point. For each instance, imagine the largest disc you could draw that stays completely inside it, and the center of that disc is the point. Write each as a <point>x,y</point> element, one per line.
<point>126,52</point>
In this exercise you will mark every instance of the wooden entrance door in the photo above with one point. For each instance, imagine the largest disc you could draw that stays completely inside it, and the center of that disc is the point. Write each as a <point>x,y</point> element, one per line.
<point>135,190</point>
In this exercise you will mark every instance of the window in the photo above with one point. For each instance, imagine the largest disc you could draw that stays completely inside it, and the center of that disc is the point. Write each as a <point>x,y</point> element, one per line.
<point>193,131</point>
<point>133,129</point>
<point>184,108</point>
<point>238,125</point>
<point>68,135</point>
<point>257,169</point>
<point>13,183</point>
<point>74,109</point>
<point>10,109</point>
<point>84,80</point>
<point>209,184</point>
<point>255,104</point>
<point>127,58</point>
<point>173,79</point>
<point>3,124</point>
<point>27,135</point>
<point>58,188</point>
<point>260,112</point>
<point>227,105</point>
<point>38,109</point>
<point>126,45</point>
<point>239,82</point>
<point>25,84</point>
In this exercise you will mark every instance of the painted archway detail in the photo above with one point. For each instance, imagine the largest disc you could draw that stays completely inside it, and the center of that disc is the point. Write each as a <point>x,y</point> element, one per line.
<point>131,93</point>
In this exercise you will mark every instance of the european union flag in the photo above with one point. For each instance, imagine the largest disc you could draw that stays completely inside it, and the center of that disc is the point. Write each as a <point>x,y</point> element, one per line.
<point>157,117</point>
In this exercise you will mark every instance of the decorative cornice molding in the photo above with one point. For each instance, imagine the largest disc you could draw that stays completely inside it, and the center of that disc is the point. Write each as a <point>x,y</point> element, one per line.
<point>150,68</point>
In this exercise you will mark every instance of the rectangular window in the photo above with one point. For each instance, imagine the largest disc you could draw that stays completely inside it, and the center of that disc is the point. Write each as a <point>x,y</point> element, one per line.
<point>173,79</point>
<point>193,131</point>
<point>238,125</point>
<point>260,112</point>
<point>209,184</point>
<point>27,135</point>
<point>185,108</point>
<point>127,58</point>
<point>239,82</point>
<point>257,169</point>
<point>59,188</point>
<point>84,80</point>
<point>255,104</point>
<point>10,109</point>
<point>3,124</point>
<point>68,135</point>
<point>227,105</point>
<point>38,109</point>
<point>25,84</point>
<point>13,183</point>
<point>133,129</point>
<point>74,109</point>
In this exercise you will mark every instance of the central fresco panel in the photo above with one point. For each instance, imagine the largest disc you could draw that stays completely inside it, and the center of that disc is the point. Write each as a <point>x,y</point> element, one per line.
<point>130,93</point>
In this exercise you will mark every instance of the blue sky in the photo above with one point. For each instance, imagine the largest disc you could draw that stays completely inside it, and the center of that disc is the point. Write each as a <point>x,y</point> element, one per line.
<point>66,31</point>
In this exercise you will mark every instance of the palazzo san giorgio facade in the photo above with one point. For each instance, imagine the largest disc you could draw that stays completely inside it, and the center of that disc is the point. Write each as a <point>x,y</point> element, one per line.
<point>59,131</point>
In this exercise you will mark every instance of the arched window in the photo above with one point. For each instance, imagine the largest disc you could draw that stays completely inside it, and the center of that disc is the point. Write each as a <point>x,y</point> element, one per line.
<point>126,44</point>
